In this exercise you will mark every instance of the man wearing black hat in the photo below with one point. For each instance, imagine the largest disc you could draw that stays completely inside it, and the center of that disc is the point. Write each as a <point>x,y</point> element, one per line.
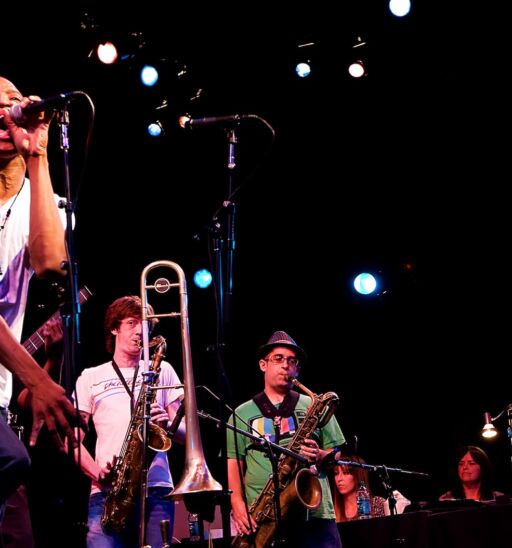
<point>276,414</point>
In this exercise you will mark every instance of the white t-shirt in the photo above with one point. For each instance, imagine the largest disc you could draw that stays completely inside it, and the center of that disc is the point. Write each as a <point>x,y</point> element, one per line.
<point>16,271</point>
<point>100,392</point>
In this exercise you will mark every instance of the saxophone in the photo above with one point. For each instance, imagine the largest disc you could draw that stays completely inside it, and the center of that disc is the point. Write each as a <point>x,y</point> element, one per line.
<point>127,470</point>
<point>297,482</point>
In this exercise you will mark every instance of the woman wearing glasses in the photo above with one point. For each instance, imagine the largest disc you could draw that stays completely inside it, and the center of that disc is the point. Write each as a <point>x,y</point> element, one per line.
<point>275,414</point>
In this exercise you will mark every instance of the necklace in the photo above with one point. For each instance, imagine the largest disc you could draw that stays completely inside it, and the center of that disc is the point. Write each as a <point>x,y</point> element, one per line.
<point>8,214</point>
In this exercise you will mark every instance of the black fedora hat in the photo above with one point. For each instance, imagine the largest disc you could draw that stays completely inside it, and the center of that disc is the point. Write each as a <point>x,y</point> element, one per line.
<point>280,338</point>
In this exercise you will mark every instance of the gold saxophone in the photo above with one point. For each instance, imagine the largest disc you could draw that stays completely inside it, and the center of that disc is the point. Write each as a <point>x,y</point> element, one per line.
<point>127,470</point>
<point>297,483</point>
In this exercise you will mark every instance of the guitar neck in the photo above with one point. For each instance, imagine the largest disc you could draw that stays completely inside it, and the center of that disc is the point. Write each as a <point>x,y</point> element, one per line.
<point>36,340</point>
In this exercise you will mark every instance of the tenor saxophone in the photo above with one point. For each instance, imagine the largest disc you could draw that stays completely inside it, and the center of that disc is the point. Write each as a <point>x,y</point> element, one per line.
<point>127,470</point>
<point>298,484</point>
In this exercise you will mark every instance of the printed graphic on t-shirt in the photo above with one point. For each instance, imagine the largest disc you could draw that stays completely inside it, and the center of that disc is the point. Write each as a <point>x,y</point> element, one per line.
<point>265,426</point>
<point>116,383</point>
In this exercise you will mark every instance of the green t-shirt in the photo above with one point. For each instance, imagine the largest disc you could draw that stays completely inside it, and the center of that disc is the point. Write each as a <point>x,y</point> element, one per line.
<point>258,466</point>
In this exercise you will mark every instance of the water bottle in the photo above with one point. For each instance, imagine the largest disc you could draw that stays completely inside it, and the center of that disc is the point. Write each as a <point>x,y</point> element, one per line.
<point>364,510</point>
<point>193,527</point>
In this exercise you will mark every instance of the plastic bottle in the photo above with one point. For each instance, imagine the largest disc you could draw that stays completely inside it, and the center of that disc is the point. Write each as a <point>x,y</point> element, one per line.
<point>193,527</point>
<point>364,510</point>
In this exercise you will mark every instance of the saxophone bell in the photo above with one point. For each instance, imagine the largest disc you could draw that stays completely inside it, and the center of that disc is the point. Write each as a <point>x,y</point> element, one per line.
<point>158,439</point>
<point>300,485</point>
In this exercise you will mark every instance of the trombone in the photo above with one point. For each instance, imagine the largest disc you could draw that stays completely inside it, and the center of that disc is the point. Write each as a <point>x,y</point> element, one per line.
<point>196,477</point>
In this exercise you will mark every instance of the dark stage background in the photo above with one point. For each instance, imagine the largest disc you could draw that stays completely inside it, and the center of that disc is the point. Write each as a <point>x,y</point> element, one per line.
<point>405,167</point>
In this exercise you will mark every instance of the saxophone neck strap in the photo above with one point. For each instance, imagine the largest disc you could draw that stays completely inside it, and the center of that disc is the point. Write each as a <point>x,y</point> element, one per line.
<point>269,410</point>
<point>125,384</point>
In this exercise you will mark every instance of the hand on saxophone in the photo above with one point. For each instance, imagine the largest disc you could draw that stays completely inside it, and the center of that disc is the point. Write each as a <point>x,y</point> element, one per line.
<point>311,450</point>
<point>105,475</point>
<point>159,415</point>
<point>240,517</point>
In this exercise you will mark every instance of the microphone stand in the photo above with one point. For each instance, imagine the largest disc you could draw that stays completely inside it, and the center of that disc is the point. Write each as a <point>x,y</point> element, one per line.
<point>385,480</point>
<point>509,429</point>
<point>261,443</point>
<point>149,377</point>
<point>382,471</point>
<point>273,451</point>
<point>378,467</point>
<point>71,316</point>
<point>224,249</point>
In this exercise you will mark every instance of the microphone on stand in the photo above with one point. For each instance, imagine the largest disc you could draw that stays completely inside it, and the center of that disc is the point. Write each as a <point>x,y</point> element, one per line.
<point>186,122</point>
<point>20,115</point>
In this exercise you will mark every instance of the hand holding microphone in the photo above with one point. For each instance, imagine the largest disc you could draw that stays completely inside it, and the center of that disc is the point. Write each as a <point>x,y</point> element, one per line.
<point>28,122</point>
<point>29,135</point>
<point>32,108</point>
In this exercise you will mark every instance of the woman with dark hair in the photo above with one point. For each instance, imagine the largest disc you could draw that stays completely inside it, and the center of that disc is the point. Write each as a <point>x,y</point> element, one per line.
<point>474,476</point>
<point>344,482</point>
<point>346,479</point>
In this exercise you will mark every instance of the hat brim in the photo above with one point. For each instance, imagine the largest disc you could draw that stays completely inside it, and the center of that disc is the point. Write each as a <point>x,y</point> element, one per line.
<point>266,348</point>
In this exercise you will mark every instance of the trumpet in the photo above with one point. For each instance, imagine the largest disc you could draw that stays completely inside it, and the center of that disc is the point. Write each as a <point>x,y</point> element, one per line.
<point>196,476</point>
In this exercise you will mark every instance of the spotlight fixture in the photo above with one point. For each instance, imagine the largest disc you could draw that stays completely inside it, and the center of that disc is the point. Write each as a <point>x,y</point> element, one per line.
<point>155,129</point>
<point>303,69</point>
<point>399,8</point>
<point>303,66</point>
<point>203,278</point>
<point>149,75</point>
<point>489,430</point>
<point>107,52</point>
<point>365,283</point>
<point>356,67</point>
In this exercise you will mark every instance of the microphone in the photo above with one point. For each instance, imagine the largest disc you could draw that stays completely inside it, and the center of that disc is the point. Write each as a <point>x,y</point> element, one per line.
<point>20,114</point>
<point>189,123</point>
<point>175,424</point>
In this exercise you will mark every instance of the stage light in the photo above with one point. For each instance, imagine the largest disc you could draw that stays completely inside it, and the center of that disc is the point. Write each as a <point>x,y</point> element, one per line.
<point>303,69</point>
<point>303,65</point>
<point>155,129</point>
<point>356,67</point>
<point>400,8</point>
<point>202,278</point>
<point>107,53</point>
<point>365,283</point>
<point>149,75</point>
<point>489,430</point>
<point>113,46</point>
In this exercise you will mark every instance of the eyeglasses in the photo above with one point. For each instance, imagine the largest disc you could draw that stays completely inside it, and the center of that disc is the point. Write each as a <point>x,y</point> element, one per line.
<point>279,358</point>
